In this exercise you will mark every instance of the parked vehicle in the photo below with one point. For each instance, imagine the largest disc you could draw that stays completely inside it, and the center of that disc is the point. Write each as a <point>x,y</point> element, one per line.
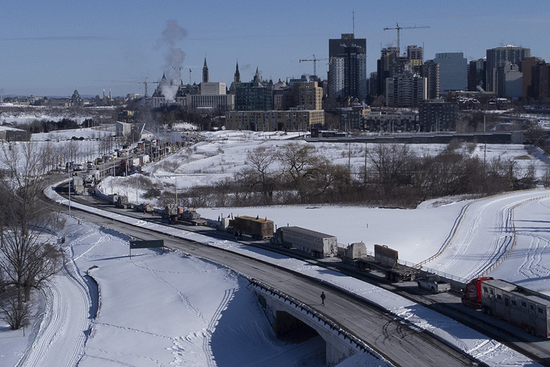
<point>433,284</point>
<point>258,228</point>
<point>145,208</point>
<point>520,306</point>
<point>471,295</point>
<point>171,212</point>
<point>191,216</point>
<point>315,243</point>
<point>78,185</point>
<point>123,203</point>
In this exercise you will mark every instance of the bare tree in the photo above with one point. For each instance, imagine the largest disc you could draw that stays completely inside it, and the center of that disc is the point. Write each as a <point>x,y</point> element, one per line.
<point>392,165</point>
<point>311,174</point>
<point>27,260</point>
<point>299,162</point>
<point>260,174</point>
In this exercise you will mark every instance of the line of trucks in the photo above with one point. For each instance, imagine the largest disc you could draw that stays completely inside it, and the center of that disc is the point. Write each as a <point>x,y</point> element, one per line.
<point>519,306</point>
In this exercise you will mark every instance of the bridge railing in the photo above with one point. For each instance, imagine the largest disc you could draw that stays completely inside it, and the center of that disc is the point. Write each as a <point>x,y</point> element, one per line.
<point>353,341</point>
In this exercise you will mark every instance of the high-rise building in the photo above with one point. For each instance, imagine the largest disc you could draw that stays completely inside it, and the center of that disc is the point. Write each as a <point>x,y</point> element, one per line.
<point>496,57</point>
<point>540,86</point>
<point>405,89</point>
<point>476,75</point>
<point>453,71</point>
<point>415,55</point>
<point>385,67</point>
<point>431,73</point>
<point>348,67</point>
<point>527,69</point>
<point>536,78</point>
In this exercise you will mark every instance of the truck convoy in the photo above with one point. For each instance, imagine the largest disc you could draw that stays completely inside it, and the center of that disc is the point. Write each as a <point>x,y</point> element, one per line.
<point>520,306</point>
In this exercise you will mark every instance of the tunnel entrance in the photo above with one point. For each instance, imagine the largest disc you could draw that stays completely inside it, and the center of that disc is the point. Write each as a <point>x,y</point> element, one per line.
<point>291,330</point>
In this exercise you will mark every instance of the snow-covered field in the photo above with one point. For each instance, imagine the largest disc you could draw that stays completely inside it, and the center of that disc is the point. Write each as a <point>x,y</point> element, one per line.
<point>167,309</point>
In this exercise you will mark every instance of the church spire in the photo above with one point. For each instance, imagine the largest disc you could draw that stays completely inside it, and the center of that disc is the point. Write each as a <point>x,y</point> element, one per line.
<point>205,76</point>
<point>237,78</point>
<point>257,78</point>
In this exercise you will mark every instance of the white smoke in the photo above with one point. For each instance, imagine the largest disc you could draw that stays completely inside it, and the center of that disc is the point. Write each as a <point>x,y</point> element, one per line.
<point>174,57</point>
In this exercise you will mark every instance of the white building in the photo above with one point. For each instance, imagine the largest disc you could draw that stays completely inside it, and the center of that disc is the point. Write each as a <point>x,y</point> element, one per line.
<point>212,99</point>
<point>509,81</point>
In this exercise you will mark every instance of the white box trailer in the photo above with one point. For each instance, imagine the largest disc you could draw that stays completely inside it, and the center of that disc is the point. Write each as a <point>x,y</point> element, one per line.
<point>315,243</point>
<point>520,306</point>
<point>144,159</point>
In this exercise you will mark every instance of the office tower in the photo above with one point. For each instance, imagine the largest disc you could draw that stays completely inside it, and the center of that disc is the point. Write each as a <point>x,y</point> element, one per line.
<point>386,67</point>
<point>348,67</point>
<point>453,71</point>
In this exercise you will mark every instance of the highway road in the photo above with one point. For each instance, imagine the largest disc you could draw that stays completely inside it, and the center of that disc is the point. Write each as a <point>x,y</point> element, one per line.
<point>396,341</point>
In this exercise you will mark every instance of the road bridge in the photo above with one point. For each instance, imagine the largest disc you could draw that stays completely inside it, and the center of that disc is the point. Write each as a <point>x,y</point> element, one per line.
<point>291,319</point>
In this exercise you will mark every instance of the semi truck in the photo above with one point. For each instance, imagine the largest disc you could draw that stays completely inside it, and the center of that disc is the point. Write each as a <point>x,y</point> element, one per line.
<point>171,212</point>
<point>258,228</point>
<point>520,306</point>
<point>471,294</point>
<point>122,202</point>
<point>315,243</point>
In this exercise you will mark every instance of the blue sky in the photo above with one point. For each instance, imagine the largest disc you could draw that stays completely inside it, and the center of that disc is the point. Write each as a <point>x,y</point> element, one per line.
<point>54,47</point>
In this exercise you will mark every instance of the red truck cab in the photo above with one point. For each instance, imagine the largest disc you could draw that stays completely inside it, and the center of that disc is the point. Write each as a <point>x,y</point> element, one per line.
<point>471,294</point>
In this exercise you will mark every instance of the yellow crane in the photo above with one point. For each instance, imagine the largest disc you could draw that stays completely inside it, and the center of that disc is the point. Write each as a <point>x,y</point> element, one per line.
<point>398,28</point>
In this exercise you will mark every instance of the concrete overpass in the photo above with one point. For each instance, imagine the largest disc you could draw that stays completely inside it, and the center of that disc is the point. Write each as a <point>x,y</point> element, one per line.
<point>288,315</point>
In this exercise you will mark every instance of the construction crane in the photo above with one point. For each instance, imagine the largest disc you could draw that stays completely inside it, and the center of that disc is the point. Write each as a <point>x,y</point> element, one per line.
<point>145,83</point>
<point>129,82</point>
<point>398,28</point>
<point>314,63</point>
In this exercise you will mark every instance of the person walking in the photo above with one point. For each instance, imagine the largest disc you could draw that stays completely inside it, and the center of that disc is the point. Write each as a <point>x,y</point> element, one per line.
<point>323,298</point>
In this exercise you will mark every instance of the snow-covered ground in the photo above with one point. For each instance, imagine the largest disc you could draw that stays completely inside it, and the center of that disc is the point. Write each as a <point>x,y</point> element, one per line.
<point>168,309</point>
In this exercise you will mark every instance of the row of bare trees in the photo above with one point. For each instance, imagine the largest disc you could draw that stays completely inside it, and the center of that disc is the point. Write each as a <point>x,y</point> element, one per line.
<point>391,175</point>
<point>28,256</point>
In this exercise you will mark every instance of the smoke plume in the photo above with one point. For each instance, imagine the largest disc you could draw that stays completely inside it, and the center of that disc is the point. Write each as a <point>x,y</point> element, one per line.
<point>174,57</point>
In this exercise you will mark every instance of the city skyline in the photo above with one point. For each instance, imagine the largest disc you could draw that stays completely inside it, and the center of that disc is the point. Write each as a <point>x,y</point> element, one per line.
<point>51,49</point>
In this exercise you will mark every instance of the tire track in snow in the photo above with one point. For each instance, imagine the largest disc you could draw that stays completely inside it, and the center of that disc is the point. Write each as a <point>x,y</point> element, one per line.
<point>532,265</point>
<point>471,252</point>
<point>63,331</point>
